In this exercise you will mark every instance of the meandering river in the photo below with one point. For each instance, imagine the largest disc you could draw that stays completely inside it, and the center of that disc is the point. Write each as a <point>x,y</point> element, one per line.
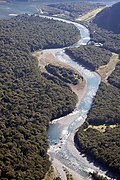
<point>61,135</point>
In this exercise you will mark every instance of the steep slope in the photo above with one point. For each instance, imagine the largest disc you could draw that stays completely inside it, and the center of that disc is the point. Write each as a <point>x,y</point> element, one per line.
<point>109,18</point>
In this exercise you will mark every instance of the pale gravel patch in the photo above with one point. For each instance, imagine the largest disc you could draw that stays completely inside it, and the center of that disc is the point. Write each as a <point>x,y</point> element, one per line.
<point>58,168</point>
<point>106,70</point>
<point>48,57</point>
<point>45,57</point>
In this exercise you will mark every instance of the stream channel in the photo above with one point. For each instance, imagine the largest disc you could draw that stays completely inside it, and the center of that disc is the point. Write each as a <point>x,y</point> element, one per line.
<point>61,135</point>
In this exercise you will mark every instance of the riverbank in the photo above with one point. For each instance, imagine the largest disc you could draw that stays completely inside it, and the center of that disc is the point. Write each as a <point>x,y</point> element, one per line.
<point>47,57</point>
<point>61,133</point>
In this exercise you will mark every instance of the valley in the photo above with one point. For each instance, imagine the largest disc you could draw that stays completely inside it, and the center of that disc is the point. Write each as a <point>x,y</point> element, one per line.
<point>54,109</point>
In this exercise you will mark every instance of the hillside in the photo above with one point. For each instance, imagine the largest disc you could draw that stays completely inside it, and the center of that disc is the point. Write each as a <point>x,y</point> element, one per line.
<point>109,18</point>
<point>28,99</point>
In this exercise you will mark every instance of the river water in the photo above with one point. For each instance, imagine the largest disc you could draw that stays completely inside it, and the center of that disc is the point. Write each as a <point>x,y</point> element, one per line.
<point>59,135</point>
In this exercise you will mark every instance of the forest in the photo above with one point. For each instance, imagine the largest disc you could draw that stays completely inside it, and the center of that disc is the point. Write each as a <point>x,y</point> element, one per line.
<point>33,33</point>
<point>99,136</point>
<point>74,9</point>
<point>29,101</point>
<point>81,7</point>
<point>107,97</point>
<point>68,10</point>
<point>110,40</point>
<point>65,74</point>
<point>90,56</point>
<point>104,28</point>
<point>103,144</point>
<point>114,78</point>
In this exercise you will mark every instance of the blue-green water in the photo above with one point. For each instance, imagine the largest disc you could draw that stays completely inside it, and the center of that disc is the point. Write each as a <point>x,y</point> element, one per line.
<point>58,134</point>
<point>59,137</point>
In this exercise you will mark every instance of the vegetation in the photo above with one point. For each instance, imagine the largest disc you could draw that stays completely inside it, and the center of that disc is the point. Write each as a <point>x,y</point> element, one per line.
<point>103,146</point>
<point>68,174</point>
<point>108,18</point>
<point>65,74</point>
<point>107,97</point>
<point>105,28</point>
<point>35,33</point>
<point>67,10</point>
<point>114,78</point>
<point>99,135</point>
<point>75,9</point>
<point>58,178</point>
<point>28,100</point>
<point>109,40</point>
<point>96,176</point>
<point>50,175</point>
<point>90,56</point>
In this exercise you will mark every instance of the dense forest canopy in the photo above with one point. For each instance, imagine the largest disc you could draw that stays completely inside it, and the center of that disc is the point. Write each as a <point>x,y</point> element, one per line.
<point>99,135</point>
<point>109,40</point>
<point>64,74</point>
<point>35,33</point>
<point>104,114</point>
<point>76,8</point>
<point>108,98</point>
<point>27,106</point>
<point>67,10</point>
<point>90,56</point>
<point>28,99</point>
<point>114,78</point>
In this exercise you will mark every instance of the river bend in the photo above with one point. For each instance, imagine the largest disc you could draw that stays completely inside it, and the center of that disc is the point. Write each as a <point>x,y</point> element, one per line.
<point>61,137</point>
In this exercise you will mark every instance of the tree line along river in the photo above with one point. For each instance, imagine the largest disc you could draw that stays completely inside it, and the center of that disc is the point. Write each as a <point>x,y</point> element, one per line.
<point>60,136</point>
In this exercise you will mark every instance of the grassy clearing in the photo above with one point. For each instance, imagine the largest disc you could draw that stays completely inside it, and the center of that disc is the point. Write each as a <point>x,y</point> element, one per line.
<point>107,69</point>
<point>90,15</point>
<point>101,128</point>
